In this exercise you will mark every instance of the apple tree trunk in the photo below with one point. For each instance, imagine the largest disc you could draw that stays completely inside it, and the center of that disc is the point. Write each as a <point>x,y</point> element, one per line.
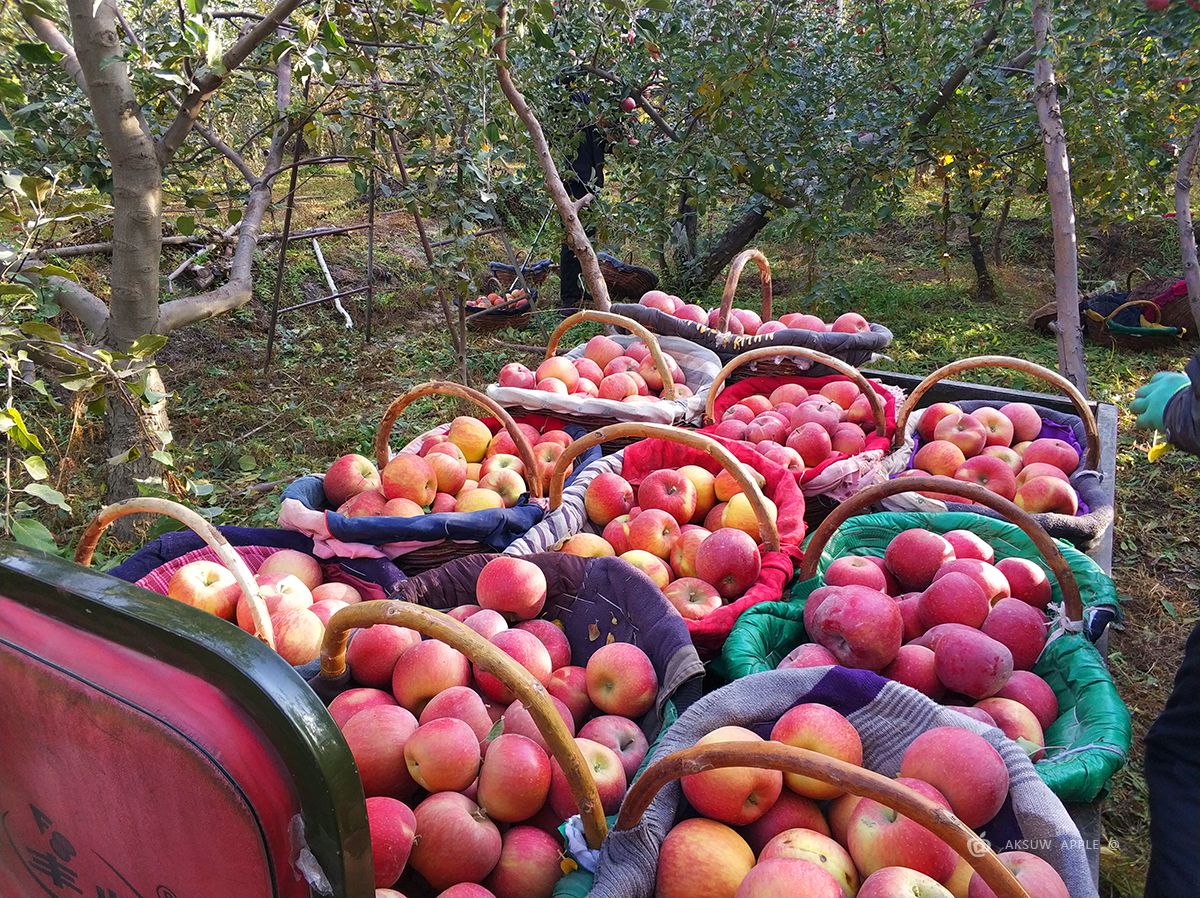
<point>1183,219</point>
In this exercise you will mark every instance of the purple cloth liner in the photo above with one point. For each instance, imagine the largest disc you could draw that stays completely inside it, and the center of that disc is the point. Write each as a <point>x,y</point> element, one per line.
<point>1050,430</point>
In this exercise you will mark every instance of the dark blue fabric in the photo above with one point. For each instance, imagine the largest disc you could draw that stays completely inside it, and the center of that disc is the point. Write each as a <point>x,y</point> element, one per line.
<point>170,546</point>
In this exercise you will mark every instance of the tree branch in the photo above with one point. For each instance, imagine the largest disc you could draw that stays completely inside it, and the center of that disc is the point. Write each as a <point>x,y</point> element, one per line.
<point>208,83</point>
<point>640,98</point>
<point>1183,218</point>
<point>49,33</point>
<point>576,236</point>
<point>76,299</point>
<point>239,162</point>
<point>960,73</point>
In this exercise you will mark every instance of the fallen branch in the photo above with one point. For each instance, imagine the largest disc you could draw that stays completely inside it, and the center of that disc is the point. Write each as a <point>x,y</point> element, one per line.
<point>333,288</point>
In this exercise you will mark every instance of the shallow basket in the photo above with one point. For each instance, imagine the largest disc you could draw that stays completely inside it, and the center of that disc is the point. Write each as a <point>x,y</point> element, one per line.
<point>624,279</point>
<point>854,349</point>
<point>699,366</point>
<point>1151,333</point>
<point>535,273</point>
<point>657,447</point>
<point>1090,740</point>
<point>1083,530</point>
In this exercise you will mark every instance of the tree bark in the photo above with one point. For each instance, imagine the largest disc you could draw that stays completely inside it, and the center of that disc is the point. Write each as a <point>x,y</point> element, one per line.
<point>568,210</point>
<point>1062,212</point>
<point>985,287</point>
<point>998,236</point>
<point>1183,219</point>
<point>696,277</point>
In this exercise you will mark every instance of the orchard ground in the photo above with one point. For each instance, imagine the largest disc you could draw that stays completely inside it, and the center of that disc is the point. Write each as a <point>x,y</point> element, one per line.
<point>246,433</point>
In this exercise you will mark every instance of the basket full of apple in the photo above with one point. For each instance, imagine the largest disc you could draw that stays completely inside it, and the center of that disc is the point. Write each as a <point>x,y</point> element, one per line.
<point>465,487</point>
<point>991,617</point>
<point>499,699</point>
<point>1044,460</point>
<point>712,523</point>
<point>730,331</point>
<point>829,782</point>
<point>833,432</point>
<point>608,380</point>
<point>267,582</point>
<point>490,311</point>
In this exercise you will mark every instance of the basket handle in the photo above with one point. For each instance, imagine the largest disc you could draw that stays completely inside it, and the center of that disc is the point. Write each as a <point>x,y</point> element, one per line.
<point>1002,361</point>
<point>768,529</point>
<point>859,502</point>
<point>449,388</point>
<point>1136,302</point>
<point>213,537</point>
<point>731,285</point>
<point>850,777</point>
<point>437,625</point>
<point>634,327</point>
<point>799,352</point>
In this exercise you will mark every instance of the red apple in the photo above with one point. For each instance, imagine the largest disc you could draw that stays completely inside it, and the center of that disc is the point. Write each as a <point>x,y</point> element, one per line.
<point>999,427</point>
<point>964,767</point>
<point>915,667</point>
<point>349,476</point>
<point>605,768</point>
<point>1034,875</point>
<point>443,755</point>
<point>790,811</point>
<point>587,545</point>
<point>514,780</point>
<point>392,825</point>
<point>621,680</point>
<point>855,570</point>
<point>1050,451</point>
<point>657,299</point>
<point>953,599</point>
<point>655,531</point>
<point>734,795</point>
<point>616,534</point>
<point>471,436</point>
<point>848,439</point>
<point>932,416</point>
<point>1047,494</point>
<point>901,882</point>
<point>991,473</point>
<point>461,703</point>
<point>1018,723</point>
<point>558,368</point>
<point>808,654</point>
<point>408,476</point>
<point>939,457</point>
<point>513,586</point>
<point>376,737</point>
<point>691,312</point>
<point>650,565</point>
<point>623,736</point>
<point>862,627</point>
<point>487,623</point>
<point>804,322</point>
<point>841,392</point>
<point>373,652</point>
<point>812,441</point>
<point>818,728</point>
<point>967,544</point>
<point>814,848</point>
<point>300,565</point>
<point>424,670</point>
<point>553,638</point>
<point>987,577</point>
<point>394,508</point>
<point>787,878</point>
<point>965,432</point>
<point>683,556</point>
<point>1031,691</point>
<point>693,598</point>
<point>298,635</point>
<point>523,647</point>
<point>910,613</point>
<point>972,663</point>
<point>1026,421</point>
<point>346,704</point>
<point>850,323</point>
<point>880,837</point>
<point>729,559</point>
<point>569,685</point>
<point>529,866</point>
<point>602,350</point>
<point>1020,627</point>
<point>702,857</point>
<point>208,586</point>
<point>1006,455</point>
<point>455,843</point>
<point>518,720</point>
<point>915,555</point>
<point>669,491</point>
<point>517,375</point>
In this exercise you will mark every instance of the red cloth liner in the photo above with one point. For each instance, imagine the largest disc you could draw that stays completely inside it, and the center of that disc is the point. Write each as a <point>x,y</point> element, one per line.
<point>709,633</point>
<point>736,392</point>
<point>160,578</point>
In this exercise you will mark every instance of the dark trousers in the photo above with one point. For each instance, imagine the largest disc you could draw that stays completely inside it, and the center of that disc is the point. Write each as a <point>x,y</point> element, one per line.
<point>570,282</point>
<point>1173,775</point>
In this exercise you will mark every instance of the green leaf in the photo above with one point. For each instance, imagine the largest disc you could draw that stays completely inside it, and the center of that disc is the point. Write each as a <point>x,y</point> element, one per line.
<point>42,331</point>
<point>147,344</point>
<point>47,494</point>
<point>37,53</point>
<point>496,731</point>
<point>13,424</point>
<point>234,216</point>
<point>185,225</point>
<point>8,134</point>
<point>163,458</point>
<point>35,465</point>
<point>128,455</point>
<point>34,535</point>
<point>247,463</point>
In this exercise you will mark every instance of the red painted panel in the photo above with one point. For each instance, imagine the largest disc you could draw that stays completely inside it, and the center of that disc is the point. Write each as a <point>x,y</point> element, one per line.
<point>144,772</point>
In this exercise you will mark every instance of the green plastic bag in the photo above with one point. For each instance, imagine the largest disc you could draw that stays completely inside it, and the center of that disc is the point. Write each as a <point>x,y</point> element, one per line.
<point>1091,738</point>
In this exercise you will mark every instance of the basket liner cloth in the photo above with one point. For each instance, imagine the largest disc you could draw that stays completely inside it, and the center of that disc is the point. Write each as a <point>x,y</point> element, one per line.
<point>1084,529</point>
<point>699,365</point>
<point>888,717</point>
<point>840,475</point>
<point>1091,738</point>
<point>634,463</point>
<point>153,565</point>
<point>303,508</point>
<point>856,349</point>
<point>596,601</point>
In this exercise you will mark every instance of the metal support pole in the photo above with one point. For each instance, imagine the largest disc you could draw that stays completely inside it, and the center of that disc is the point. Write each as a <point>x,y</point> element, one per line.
<point>371,237</point>
<point>283,245</point>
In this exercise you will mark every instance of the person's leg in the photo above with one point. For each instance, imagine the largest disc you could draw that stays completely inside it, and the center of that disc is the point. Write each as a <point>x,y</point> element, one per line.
<point>1173,777</point>
<point>570,285</point>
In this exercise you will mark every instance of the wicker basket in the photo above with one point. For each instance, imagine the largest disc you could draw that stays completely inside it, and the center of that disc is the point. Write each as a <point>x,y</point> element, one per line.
<point>494,318</point>
<point>536,401</point>
<point>625,280</point>
<point>534,274</point>
<point>1105,330</point>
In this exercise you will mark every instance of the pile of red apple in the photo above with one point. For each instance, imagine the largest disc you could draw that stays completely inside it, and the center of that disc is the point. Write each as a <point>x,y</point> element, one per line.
<point>518,298</point>
<point>744,321</point>
<point>767,834</point>
<point>999,449</point>
<point>605,371</point>
<point>460,786</point>
<point>799,430</point>
<point>692,532</point>
<point>464,469</point>
<point>291,584</point>
<point>936,614</point>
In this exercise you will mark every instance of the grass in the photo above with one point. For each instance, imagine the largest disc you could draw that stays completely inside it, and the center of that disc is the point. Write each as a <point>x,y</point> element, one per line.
<point>245,431</point>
